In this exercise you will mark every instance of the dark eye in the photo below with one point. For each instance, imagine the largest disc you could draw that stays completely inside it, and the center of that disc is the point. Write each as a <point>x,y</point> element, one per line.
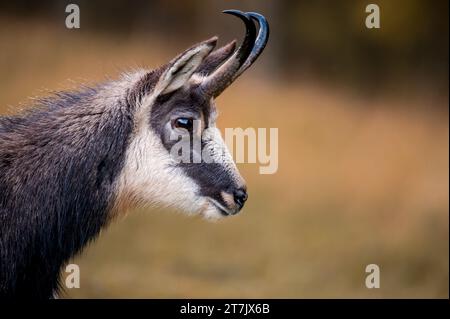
<point>183,122</point>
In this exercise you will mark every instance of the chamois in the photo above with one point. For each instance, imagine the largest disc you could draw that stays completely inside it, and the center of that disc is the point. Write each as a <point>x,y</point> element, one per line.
<point>77,159</point>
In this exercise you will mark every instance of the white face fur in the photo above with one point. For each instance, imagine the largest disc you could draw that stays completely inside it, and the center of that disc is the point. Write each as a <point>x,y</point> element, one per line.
<point>152,176</point>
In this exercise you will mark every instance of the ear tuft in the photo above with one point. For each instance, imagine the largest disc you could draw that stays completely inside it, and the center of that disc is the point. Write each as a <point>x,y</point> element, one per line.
<point>216,58</point>
<point>182,67</point>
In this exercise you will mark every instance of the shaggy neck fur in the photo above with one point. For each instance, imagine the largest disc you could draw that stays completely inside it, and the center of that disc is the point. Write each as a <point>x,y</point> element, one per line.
<point>68,166</point>
<point>58,165</point>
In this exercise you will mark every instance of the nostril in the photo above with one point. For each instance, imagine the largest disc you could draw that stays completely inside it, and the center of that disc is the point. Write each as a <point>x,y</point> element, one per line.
<point>240,196</point>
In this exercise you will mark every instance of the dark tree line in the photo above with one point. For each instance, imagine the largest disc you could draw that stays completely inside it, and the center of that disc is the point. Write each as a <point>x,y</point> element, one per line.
<point>324,38</point>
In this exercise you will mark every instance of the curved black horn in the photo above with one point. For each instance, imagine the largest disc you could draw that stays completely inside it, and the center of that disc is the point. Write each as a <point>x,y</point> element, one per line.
<point>250,34</point>
<point>223,76</point>
<point>260,43</point>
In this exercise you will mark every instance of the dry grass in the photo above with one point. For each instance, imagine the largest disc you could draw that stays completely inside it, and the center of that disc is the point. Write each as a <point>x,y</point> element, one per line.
<point>359,182</point>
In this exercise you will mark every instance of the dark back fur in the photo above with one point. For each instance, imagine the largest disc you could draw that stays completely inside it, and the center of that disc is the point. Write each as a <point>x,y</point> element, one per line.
<point>57,168</point>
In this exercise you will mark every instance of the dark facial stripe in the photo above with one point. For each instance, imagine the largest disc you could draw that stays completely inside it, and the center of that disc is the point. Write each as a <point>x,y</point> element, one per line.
<point>212,178</point>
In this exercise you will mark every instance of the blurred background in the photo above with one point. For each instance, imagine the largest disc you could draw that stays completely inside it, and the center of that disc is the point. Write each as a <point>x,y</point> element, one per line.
<point>363,145</point>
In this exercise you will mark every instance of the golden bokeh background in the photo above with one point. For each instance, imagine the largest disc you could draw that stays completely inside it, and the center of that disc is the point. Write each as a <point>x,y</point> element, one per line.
<point>363,148</point>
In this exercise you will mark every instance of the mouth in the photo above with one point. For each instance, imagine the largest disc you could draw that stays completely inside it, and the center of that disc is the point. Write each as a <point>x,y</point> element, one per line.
<point>223,210</point>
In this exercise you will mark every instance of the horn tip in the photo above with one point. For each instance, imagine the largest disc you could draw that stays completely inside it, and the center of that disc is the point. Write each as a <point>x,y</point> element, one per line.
<point>230,10</point>
<point>233,12</point>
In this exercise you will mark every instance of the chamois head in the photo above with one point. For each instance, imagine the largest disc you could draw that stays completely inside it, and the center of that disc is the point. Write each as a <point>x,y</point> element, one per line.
<point>176,155</point>
<point>69,165</point>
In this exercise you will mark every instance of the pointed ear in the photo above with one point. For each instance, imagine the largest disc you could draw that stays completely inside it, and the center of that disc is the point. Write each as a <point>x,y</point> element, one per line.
<point>183,66</point>
<point>216,58</point>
